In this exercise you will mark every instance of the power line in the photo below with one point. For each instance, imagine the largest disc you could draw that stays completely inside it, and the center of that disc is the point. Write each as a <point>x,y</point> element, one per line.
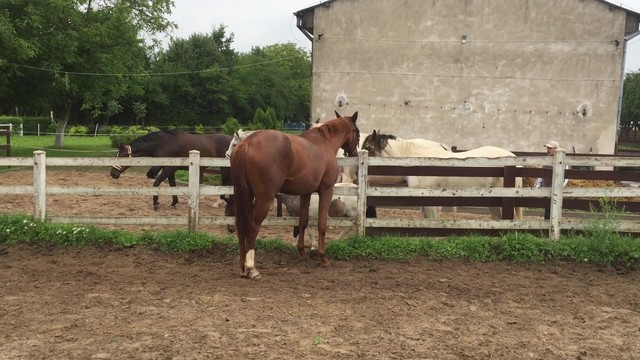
<point>151,74</point>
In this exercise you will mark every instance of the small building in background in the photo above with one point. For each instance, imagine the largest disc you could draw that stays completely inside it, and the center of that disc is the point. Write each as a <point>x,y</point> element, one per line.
<point>507,73</point>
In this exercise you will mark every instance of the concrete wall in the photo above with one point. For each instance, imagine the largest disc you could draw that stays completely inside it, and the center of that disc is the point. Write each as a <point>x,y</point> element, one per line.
<point>528,70</point>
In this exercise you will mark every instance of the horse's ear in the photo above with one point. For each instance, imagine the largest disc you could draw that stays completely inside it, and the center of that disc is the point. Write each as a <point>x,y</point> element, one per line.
<point>337,115</point>
<point>354,117</point>
<point>374,134</point>
<point>318,121</point>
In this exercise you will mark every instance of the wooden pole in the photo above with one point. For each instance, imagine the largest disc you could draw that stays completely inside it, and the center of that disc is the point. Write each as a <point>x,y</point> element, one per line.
<point>39,184</point>
<point>557,181</point>
<point>363,174</point>
<point>194,189</point>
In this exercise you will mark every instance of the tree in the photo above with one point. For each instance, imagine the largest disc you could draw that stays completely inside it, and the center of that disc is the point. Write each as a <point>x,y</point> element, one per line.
<point>78,54</point>
<point>630,111</point>
<point>277,76</point>
<point>199,91</point>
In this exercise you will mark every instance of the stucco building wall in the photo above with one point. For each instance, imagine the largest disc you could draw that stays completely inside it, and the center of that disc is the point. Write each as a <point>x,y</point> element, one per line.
<point>508,73</point>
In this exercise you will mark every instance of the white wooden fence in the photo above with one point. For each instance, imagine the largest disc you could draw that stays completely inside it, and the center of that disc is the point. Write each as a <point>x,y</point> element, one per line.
<point>194,191</point>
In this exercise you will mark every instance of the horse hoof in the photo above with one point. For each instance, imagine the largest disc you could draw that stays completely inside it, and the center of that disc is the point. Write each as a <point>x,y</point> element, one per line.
<point>231,229</point>
<point>156,207</point>
<point>324,262</point>
<point>253,274</point>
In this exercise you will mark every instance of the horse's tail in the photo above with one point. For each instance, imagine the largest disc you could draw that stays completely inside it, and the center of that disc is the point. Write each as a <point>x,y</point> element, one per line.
<point>519,211</point>
<point>242,196</point>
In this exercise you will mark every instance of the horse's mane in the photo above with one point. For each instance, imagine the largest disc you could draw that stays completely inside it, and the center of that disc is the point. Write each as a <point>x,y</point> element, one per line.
<point>154,136</point>
<point>384,137</point>
<point>326,128</point>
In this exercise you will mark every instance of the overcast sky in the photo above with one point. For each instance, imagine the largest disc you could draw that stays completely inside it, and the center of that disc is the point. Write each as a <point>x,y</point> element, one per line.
<point>267,22</point>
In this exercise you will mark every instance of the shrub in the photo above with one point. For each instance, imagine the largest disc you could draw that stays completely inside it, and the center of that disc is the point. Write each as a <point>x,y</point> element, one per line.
<point>14,121</point>
<point>122,135</point>
<point>78,130</point>
<point>231,126</point>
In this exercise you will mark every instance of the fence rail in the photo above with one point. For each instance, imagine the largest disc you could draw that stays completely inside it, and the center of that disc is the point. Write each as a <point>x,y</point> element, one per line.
<point>506,167</point>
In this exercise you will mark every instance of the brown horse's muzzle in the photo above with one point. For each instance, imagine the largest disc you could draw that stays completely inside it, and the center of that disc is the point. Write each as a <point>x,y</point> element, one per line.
<point>115,173</point>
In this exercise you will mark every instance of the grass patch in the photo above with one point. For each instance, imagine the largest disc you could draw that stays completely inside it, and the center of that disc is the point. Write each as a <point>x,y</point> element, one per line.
<point>514,247</point>
<point>74,146</point>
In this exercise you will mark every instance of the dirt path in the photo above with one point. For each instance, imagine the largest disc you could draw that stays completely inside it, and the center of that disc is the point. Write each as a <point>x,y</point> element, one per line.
<point>103,303</point>
<point>135,303</point>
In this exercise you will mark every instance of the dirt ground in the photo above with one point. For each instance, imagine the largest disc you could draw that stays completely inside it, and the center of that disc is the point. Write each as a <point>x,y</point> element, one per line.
<point>100,303</point>
<point>136,303</point>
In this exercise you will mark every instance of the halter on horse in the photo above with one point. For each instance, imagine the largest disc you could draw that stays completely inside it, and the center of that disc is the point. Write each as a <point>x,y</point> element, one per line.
<point>269,161</point>
<point>174,143</point>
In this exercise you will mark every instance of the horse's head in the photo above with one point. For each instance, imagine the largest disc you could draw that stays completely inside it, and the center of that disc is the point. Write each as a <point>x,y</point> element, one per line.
<point>350,146</point>
<point>123,150</point>
<point>375,143</point>
<point>238,136</point>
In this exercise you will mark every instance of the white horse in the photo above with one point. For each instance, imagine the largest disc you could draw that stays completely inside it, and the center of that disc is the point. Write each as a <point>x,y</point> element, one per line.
<point>238,136</point>
<point>392,146</point>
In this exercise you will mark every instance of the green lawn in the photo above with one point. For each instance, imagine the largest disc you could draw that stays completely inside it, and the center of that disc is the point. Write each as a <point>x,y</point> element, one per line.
<point>74,146</point>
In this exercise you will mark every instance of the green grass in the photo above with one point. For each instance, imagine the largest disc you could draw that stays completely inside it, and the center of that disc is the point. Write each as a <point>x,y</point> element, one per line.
<point>595,248</point>
<point>74,146</point>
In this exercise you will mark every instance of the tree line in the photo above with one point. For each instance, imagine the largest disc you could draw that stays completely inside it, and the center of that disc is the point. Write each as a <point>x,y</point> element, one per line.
<point>630,113</point>
<point>100,63</point>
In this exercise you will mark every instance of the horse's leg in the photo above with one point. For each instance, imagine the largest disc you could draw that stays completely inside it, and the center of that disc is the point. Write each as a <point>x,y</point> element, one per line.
<point>260,211</point>
<point>496,212</point>
<point>172,183</point>
<point>164,173</point>
<point>313,238</point>
<point>430,212</point>
<point>303,221</point>
<point>225,175</point>
<point>325,197</point>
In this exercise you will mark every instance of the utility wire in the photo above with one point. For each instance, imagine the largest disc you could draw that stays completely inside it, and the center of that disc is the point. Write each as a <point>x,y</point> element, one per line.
<point>151,74</point>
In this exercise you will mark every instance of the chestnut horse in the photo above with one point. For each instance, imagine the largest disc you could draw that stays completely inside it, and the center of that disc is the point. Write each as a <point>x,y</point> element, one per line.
<point>270,161</point>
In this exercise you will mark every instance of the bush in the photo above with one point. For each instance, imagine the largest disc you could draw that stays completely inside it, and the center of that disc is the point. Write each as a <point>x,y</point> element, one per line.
<point>30,125</point>
<point>231,126</point>
<point>14,121</point>
<point>78,130</point>
<point>121,135</point>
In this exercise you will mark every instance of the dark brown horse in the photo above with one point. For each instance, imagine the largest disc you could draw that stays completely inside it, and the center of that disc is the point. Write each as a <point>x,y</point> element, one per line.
<point>269,161</point>
<point>174,143</point>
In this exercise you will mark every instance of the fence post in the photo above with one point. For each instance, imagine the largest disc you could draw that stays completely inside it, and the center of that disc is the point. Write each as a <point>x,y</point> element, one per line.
<point>509,181</point>
<point>194,189</point>
<point>557,181</point>
<point>363,174</point>
<point>39,184</point>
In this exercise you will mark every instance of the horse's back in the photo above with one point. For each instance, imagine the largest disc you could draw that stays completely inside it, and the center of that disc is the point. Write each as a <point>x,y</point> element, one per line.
<point>292,163</point>
<point>486,152</point>
<point>210,145</point>
<point>416,147</point>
